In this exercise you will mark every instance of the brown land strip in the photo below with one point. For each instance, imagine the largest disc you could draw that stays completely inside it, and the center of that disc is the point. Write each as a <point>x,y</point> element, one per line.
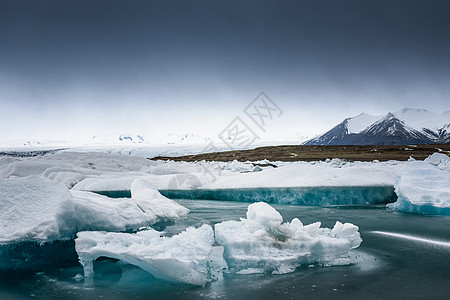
<point>314,153</point>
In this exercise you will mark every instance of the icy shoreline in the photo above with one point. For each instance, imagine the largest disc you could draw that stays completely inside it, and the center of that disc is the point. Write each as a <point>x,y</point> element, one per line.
<point>104,171</point>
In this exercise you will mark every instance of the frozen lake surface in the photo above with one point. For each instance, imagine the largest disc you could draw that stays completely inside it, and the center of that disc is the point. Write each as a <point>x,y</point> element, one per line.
<point>402,255</point>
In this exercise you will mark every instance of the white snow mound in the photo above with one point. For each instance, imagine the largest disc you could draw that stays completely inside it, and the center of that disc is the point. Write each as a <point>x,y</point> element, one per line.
<point>150,199</point>
<point>181,258</point>
<point>263,243</point>
<point>440,160</point>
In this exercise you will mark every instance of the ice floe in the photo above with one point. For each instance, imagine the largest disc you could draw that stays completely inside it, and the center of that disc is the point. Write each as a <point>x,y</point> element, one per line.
<point>181,258</point>
<point>263,243</point>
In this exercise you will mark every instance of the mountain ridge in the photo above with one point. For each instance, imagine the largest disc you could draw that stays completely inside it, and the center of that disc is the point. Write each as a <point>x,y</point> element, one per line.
<point>403,127</point>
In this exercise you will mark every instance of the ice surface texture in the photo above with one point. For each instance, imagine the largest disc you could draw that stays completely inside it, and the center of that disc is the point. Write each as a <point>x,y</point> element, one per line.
<point>34,209</point>
<point>181,258</point>
<point>263,243</point>
<point>424,187</point>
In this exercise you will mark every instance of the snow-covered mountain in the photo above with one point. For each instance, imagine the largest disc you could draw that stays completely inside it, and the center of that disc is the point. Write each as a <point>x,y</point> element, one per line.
<point>406,126</point>
<point>133,138</point>
<point>118,139</point>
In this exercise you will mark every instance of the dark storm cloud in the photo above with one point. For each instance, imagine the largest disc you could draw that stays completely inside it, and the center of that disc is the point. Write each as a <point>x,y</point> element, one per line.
<point>344,52</point>
<point>291,37</point>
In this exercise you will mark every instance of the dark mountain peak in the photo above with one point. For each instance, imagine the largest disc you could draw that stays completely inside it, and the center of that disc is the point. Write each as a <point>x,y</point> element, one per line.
<point>390,116</point>
<point>390,124</point>
<point>345,122</point>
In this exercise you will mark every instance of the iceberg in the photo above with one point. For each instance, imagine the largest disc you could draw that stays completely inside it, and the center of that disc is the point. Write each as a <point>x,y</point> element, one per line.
<point>39,210</point>
<point>145,207</point>
<point>34,216</point>
<point>38,216</point>
<point>263,243</point>
<point>182,258</point>
<point>424,187</point>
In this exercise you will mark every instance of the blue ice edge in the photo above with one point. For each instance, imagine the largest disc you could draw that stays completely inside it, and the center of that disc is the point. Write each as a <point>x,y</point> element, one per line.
<point>403,205</point>
<point>313,196</point>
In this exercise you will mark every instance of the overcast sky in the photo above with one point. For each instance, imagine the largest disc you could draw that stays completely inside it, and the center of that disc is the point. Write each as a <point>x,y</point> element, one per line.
<point>73,69</point>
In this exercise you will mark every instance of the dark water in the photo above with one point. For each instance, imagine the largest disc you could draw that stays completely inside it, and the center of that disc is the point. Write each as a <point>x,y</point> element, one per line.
<point>384,267</point>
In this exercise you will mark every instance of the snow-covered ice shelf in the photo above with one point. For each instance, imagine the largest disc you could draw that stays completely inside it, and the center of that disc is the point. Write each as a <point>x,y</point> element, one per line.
<point>104,171</point>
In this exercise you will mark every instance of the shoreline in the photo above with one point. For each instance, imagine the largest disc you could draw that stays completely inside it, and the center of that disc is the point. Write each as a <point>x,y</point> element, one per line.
<point>319,152</point>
